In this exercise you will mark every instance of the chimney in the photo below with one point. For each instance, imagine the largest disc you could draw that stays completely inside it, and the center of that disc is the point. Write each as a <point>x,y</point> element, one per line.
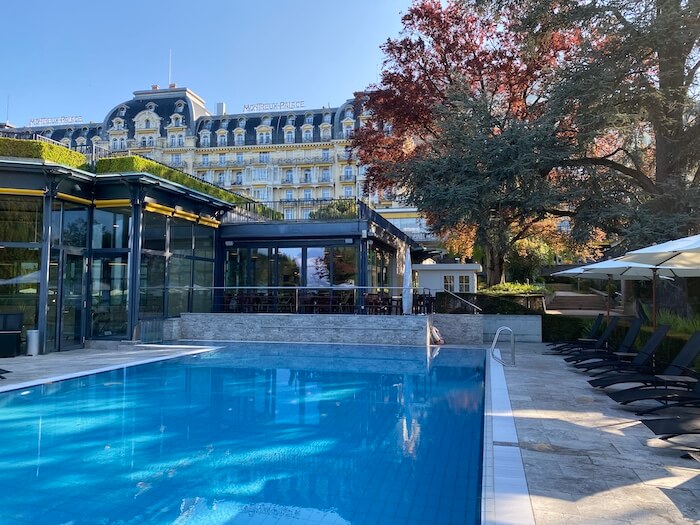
<point>172,86</point>
<point>221,108</point>
<point>155,87</point>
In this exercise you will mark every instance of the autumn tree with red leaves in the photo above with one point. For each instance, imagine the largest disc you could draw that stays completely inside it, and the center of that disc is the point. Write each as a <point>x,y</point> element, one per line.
<point>458,122</point>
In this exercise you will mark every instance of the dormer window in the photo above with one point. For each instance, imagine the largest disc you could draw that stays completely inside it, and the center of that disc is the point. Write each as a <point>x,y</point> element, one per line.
<point>121,111</point>
<point>239,139</point>
<point>150,106</point>
<point>264,137</point>
<point>308,135</point>
<point>267,120</point>
<point>205,140</point>
<point>177,121</point>
<point>179,106</point>
<point>309,118</point>
<point>241,123</point>
<point>327,118</point>
<point>289,137</point>
<point>349,113</point>
<point>221,140</point>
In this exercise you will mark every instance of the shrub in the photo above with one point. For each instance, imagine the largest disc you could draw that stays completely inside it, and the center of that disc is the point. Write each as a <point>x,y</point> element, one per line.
<point>35,149</point>
<point>514,289</point>
<point>562,327</point>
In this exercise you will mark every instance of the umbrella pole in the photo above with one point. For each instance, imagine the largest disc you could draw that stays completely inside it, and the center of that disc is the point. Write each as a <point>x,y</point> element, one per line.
<point>607,292</point>
<point>653,298</point>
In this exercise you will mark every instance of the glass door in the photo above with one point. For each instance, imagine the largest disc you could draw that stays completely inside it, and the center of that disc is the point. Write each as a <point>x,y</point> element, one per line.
<point>72,301</point>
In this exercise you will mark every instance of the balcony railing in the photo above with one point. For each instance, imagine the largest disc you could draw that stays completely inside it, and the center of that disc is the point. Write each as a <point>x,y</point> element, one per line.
<point>302,210</point>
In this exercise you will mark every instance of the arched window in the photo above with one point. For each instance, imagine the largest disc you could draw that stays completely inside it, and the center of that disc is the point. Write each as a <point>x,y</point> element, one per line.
<point>307,135</point>
<point>205,141</point>
<point>221,140</point>
<point>289,137</point>
<point>172,141</point>
<point>150,140</point>
<point>180,140</point>
<point>147,124</point>
<point>115,144</point>
<point>122,143</point>
<point>309,119</point>
<point>143,141</point>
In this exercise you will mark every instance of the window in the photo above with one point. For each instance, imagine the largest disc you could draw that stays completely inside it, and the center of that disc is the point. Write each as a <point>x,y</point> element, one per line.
<point>147,124</point>
<point>307,195</point>
<point>220,178</point>
<point>205,160</point>
<point>221,140</point>
<point>348,113</point>
<point>239,158</point>
<point>289,137</point>
<point>264,137</point>
<point>289,176</point>
<point>122,143</point>
<point>288,214</point>
<point>143,142</point>
<point>266,120</point>
<point>260,195</point>
<point>307,176</point>
<point>264,156</point>
<point>307,135</point>
<point>326,194</point>
<point>326,175</point>
<point>260,174</point>
<point>239,139</point>
<point>289,195</point>
<point>222,159</point>
<point>347,191</point>
<point>239,177</point>
<point>326,154</point>
<point>150,141</point>
<point>306,213</point>
<point>205,140</point>
<point>115,144</point>
<point>176,159</point>
<point>347,173</point>
<point>179,107</point>
<point>448,282</point>
<point>309,119</point>
<point>326,118</point>
<point>122,111</point>
<point>180,140</point>
<point>464,284</point>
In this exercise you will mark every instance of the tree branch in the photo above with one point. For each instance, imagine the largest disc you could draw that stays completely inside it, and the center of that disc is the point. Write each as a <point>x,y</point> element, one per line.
<point>636,175</point>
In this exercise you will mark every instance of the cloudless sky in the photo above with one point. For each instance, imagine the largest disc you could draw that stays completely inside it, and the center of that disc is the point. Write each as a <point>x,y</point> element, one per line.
<point>85,57</point>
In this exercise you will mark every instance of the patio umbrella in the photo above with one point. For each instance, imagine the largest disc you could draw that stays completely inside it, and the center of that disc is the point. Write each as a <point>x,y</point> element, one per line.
<point>407,292</point>
<point>682,255</point>
<point>620,268</point>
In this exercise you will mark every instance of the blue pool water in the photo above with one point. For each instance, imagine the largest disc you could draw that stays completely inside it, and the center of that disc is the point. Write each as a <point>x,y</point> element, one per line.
<point>262,434</point>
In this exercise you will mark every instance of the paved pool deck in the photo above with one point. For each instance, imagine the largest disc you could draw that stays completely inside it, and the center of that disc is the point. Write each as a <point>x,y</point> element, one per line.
<point>587,460</point>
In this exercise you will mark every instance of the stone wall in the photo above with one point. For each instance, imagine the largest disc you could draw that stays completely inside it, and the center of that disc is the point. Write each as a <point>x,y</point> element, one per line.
<point>363,329</point>
<point>464,329</point>
<point>459,329</point>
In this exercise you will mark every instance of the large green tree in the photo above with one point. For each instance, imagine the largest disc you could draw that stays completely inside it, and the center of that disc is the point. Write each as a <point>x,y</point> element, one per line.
<point>630,94</point>
<point>458,122</point>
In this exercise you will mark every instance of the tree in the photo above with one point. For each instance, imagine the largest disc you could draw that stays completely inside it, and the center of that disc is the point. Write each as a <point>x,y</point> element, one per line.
<point>458,123</point>
<point>630,93</point>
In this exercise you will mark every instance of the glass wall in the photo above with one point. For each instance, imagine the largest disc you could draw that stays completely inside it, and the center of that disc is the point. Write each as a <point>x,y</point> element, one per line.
<point>152,285</point>
<point>111,227</point>
<point>21,219</point>
<point>109,296</point>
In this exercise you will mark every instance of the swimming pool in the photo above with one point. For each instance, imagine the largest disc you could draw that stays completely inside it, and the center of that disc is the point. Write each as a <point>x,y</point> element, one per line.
<point>252,434</point>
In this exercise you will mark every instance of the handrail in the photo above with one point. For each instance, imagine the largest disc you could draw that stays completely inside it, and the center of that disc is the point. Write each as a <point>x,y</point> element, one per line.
<point>476,308</point>
<point>512,346</point>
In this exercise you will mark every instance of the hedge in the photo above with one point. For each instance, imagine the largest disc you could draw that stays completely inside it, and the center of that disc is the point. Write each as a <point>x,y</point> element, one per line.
<point>35,149</point>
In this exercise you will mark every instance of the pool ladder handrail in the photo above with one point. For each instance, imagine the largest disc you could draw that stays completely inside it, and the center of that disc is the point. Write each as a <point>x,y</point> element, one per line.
<point>512,346</point>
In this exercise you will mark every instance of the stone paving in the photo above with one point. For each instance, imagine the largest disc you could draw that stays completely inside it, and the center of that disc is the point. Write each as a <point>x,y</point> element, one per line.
<point>587,460</point>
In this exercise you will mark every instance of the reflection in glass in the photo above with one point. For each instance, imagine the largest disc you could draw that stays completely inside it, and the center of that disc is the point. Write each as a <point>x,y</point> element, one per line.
<point>110,228</point>
<point>262,264</point>
<point>154,231</point>
<point>109,296</point>
<point>344,265</point>
<point>202,290</point>
<point>19,283</point>
<point>20,219</point>
<point>318,267</point>
<point>289,260</point>
<point>180,275</point>
<point>180,236</point>
<point>75,225</point>
<point>203,241</point>
<point>152,286</point>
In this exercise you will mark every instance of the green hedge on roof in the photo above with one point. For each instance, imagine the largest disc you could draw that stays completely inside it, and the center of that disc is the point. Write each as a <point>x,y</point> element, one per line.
<point>139,164</point>
<point>35,149</point>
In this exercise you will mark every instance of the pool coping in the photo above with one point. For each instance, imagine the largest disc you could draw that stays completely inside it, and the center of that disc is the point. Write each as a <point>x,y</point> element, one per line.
<point>505,498</point>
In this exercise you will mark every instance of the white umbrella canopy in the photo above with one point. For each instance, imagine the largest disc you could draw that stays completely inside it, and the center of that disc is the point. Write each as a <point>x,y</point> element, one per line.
<point>683,255</point>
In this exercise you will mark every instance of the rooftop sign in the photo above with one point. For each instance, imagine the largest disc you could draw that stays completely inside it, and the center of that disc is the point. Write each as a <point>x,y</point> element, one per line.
<point>55,121</point>
<point>272,106</point>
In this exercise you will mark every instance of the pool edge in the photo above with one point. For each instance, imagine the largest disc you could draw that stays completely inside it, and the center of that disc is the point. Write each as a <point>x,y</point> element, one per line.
<point>505,498</point>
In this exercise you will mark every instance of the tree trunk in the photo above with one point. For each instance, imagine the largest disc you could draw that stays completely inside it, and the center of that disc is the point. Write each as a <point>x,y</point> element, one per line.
<point>495,266</point>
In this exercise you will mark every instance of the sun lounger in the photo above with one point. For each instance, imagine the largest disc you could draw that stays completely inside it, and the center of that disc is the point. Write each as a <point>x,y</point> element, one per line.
<point>667,428</point>
<point>590,336</point>
<point>678,367</point>
<point>625,346</point>
<point>590,344</point>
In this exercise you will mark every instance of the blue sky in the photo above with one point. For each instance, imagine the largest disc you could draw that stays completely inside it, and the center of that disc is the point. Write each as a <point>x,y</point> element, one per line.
<point>85,57</point>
